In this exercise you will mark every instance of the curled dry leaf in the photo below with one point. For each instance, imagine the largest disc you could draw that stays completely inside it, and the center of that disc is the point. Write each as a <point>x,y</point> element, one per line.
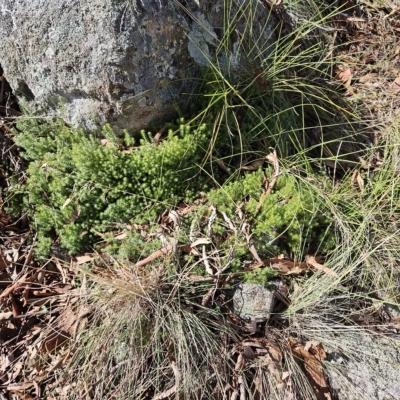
<point>356,177</point>
<point>345,76</point>
<point>254,166</point>
<point>84,259</point>
<point>365,78</point>
<point>5,316</point>
<point>310,356</point>
<point>394,87</point>
<point>310,260</point>
<point>286,267</point>
<point>221,164</point>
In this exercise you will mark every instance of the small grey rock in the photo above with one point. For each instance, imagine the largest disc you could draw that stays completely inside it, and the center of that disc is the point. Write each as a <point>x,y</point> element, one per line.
<point>253,301</point>
<point>392,309</point>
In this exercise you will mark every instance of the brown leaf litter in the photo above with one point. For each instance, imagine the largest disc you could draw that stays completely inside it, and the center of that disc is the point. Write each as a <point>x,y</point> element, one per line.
<point>310,356</point>
<point>39,313</point>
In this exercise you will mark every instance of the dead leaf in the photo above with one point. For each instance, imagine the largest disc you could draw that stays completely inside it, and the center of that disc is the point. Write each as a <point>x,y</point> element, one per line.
<point>3,263</point>
<point>184,208</point>
<point>5,316</point>
<point>316,349</point>
<point>54,340</point>
<point>286,267</point>
<point>207,265</point>
<point>309,356</point>
<point>395,86</point>
<point>254,166</point>
<point>220,164</point>
<point>240,363</point>
<point>270,355</point>
<point>15,306</point>
<point>121,236</point>
<point>176,372</point>
<point>357,177</point>
<point>17,285</point>
<point>83,259</point>
<point>367,77</point>
<point>312,261</point>
<point>175,218</point>
<point>5,219</point>
<point>22,395</point>
<point>273,159</point>
<point>20,386</point>
<point>245,230</point>
<point>107,143</point>
<point>67,320</point>
<point>345,76</point>
<point>157,137</point>
<point>157,254</point>
<point>66,203</point>
<point>356,19</point>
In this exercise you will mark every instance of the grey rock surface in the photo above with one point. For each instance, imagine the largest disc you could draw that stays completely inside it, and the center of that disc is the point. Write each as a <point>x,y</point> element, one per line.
<point>369,370</point>
<point>252,300</point>
<point>129,63</point>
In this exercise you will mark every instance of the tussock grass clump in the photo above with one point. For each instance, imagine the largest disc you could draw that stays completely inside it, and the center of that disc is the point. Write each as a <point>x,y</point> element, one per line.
<point>149,338</point>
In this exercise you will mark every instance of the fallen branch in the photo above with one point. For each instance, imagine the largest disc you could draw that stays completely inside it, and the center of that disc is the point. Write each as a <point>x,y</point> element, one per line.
<point>21,282</point>
<point>157,254</point>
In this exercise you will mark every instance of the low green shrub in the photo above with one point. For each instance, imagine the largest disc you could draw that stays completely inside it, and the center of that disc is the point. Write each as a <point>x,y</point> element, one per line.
<point>292,219</point>
<point>78,185</point>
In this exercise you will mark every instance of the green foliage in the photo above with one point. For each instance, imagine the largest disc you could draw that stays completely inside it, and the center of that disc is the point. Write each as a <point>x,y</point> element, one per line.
<point>78,186</point>
<point>260,276</point>
<point>291,219</point>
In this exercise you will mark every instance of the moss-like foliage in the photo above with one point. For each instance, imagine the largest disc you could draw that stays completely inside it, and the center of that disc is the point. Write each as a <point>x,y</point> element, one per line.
<point>292,218</point>
<point>79,185</point>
